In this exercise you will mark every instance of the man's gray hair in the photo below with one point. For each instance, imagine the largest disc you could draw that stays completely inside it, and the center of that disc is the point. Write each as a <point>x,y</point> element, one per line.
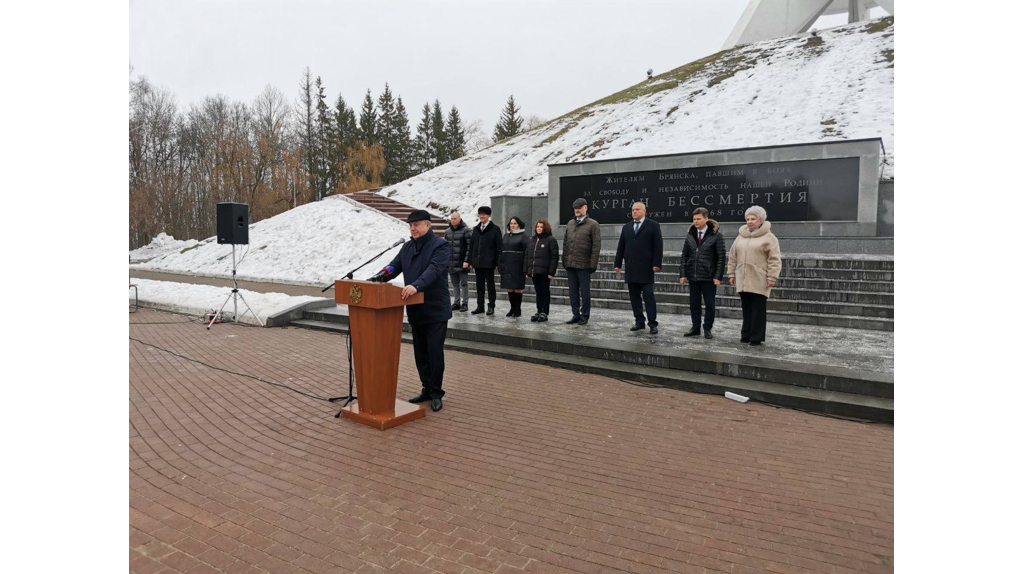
<point>757,211</point>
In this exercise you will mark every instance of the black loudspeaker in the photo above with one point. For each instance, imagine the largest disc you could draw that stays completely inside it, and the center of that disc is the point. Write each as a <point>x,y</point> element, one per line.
<point>233,223</point>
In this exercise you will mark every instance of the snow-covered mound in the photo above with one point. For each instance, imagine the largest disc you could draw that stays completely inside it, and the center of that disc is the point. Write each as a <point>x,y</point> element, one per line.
<point>835,85</point>
<point>161,245</point>
<point>313,243</point>
<point>198,299</point>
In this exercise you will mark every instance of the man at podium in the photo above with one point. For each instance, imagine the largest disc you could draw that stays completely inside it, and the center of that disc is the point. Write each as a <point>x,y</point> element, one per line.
<point>424,263</point>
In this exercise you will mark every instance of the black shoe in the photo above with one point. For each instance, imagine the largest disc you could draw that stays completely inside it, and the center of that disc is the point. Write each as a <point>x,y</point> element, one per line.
<point>455,306</point>
<point>637,327</point>
<point>511,313</point>
<point>584,320</point>
<point>543,317</point>
<point>435,404</point>
<point>477,311</point>
<point>755,343</point>
<point>708,335</point>
<point>692,332</point>
<point>420,398</point>
<point>744,340</point>
<point>490,310</point>
<point>464,307</point>
<point>573,321</point>
<point>654,330</point>
<point>535,318</point>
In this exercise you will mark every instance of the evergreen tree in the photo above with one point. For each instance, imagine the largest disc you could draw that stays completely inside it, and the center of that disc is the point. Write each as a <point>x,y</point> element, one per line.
<point>307,114</point>
<point>387,133</point>
<point>347,130</point>
<point>440,141</point>
<point>368,121</point>
<point>425,146</point>
<point>326,176</point>
<point>511,123</point>
<point>455,135</point>
<point>404,145</point>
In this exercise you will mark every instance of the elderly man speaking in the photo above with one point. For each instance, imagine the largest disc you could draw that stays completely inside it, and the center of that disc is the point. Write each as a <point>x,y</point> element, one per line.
<point>424,263</point>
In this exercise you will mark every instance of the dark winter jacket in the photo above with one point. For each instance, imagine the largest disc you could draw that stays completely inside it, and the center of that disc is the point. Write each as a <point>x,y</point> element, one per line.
<point>459,240</point>
<point>541,255</point>
<point>485,248</point>
<point>513,256</point>
<point>581,248</point>
<point>642,251</point>
<point>704,262</point>
<point>424,264</point>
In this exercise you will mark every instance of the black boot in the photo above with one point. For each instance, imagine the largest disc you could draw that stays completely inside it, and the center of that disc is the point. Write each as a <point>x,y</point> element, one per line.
<point>517,304</point>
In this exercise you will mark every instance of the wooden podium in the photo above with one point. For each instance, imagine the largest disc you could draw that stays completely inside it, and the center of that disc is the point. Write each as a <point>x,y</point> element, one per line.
<point>375,325</point>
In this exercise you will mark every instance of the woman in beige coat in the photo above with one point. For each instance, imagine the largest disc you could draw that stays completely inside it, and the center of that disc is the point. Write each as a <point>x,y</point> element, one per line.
<point>754,266</point>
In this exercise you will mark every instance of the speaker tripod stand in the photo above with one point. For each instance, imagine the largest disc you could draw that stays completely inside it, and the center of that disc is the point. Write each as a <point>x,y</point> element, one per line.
<point>234,296</point>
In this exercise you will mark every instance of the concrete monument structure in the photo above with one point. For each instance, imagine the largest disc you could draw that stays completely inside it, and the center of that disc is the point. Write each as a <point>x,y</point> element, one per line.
<point>765,19</point>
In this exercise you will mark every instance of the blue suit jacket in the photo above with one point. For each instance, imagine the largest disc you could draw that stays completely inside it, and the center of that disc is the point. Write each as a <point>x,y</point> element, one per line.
<point>424,262</point>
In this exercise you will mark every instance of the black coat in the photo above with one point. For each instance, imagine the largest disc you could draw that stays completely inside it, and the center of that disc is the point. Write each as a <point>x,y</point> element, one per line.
<point>541,255</point>
<point>459,239</point>
<point>513,256</point>
<point>485,248</point>
<point>706,261</point>
<point>424,263</point>
<point>642,252</point>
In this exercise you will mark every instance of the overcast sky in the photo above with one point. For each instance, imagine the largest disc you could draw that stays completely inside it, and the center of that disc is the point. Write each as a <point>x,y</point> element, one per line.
<point>554,56</point>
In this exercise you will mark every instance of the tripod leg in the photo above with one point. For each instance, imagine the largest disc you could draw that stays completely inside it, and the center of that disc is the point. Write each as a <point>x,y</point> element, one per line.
<point>249,310</point>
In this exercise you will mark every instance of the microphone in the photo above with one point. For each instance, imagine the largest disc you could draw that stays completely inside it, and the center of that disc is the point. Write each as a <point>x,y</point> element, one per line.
<point>383,275</point>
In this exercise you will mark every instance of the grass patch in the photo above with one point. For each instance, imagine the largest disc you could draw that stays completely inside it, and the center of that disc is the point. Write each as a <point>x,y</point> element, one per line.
<point>190,248</point>
<point>888,55</point>
<point>880,26</point>
<point>828,122</point>
<point>565,129</point>
<point>672,111</point>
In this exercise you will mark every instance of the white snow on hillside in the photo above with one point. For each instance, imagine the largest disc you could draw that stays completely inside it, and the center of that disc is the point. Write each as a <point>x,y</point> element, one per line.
<point>162,244</point>
<point>198,299</point>
<point>313,243</point>
<point>782,91</point>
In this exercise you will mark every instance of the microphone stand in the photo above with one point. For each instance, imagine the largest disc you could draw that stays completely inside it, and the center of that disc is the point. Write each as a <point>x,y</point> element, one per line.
<point>367,262</point>
<point>350,396</point>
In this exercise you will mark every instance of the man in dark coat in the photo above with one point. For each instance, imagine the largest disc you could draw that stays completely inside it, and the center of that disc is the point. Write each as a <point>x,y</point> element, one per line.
<point>484,251</point>
<point>641,245</point>
<point>702,265</point>
<point>581,253</point>
<point>423,262</point>
<point>459,235</point>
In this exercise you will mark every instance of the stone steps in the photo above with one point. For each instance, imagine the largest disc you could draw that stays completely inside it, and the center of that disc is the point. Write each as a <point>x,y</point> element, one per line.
<point>816,388</point>
<point>395,209</point>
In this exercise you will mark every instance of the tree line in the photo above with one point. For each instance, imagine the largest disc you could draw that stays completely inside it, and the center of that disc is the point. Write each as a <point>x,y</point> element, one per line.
<point>274,155</point>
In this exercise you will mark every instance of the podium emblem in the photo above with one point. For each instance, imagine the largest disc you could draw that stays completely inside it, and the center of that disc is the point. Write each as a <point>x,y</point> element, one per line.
<point>356,294</point>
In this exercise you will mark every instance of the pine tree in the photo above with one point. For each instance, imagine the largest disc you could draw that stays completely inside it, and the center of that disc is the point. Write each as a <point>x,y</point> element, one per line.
<point>307,114</point>
<point>425,146</point>
<point>455,135</point>
<point>326,176</point>
<point>510,124</point>
<point>404,145</point>
<point>440,140</point>
<point>368,121</point>
<point>387,134</point>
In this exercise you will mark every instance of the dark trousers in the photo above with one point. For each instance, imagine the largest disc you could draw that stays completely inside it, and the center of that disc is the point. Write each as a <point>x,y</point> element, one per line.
<point>485,277</point>
<point>428,348</point>
<point>755,317</point>
<point>642,295</point>
<point>579,292</point>
<point>542,285</point>
<point>703,290</point>
<point>460,285</point>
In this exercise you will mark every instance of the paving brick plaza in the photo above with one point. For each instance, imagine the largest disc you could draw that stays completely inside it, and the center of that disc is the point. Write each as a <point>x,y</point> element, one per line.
<point>527,468</point>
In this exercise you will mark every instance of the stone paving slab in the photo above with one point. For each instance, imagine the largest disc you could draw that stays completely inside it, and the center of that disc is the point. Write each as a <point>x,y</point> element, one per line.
<point>526,469</point>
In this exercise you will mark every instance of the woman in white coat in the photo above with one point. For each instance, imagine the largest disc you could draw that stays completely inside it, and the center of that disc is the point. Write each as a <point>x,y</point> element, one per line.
<point>755,263</point>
